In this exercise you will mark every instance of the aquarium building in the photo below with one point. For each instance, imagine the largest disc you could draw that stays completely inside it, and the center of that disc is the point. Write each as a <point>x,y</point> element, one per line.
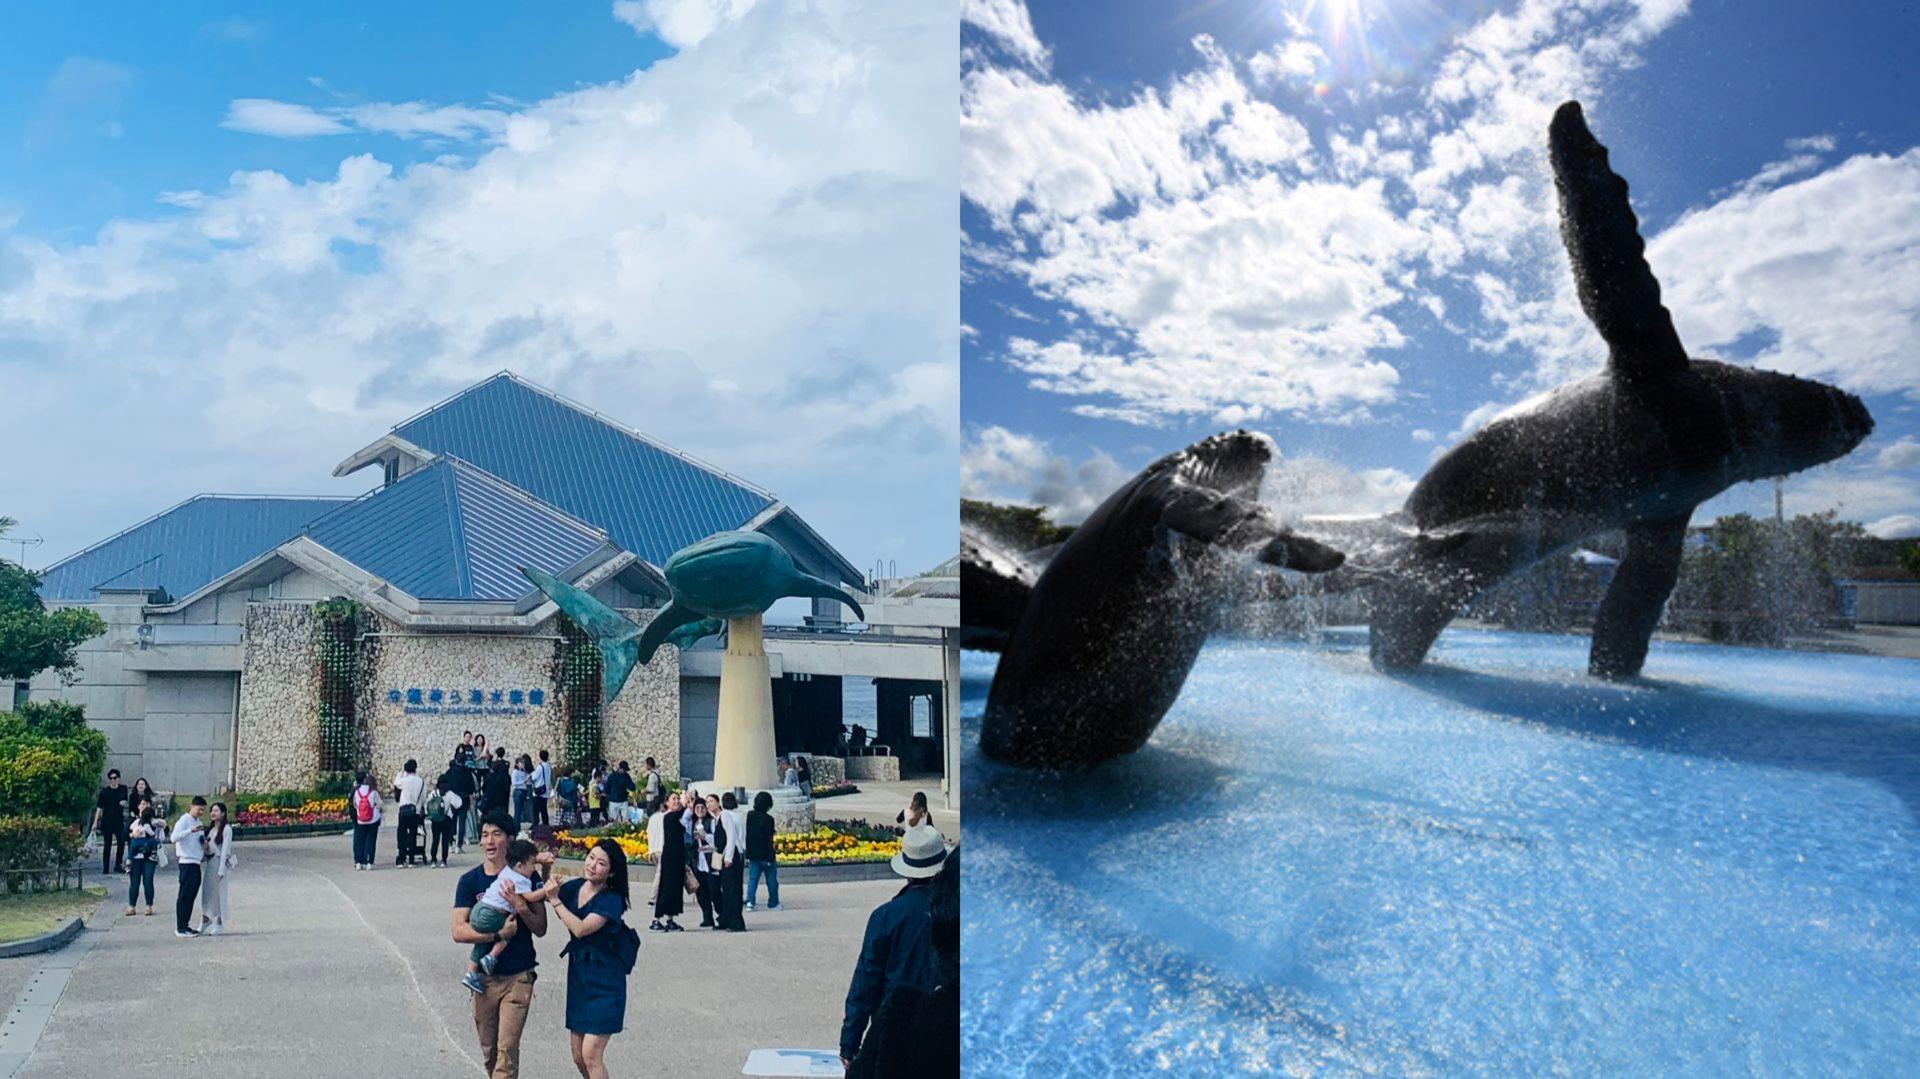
<point>255,642</point>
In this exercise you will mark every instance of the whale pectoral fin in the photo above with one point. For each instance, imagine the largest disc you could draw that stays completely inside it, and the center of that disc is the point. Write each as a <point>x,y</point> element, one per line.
<point>611,631</point>
<point>671,617</point>
<point>806,584</point>
<point>994,591</point>
<point>1616,286</point>
<point>692,633</point>
<point>1212,517</point>
<point>1631,610</point>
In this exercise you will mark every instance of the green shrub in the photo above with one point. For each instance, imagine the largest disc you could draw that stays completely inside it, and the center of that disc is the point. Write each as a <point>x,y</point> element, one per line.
<point>333,785</point>
<point>43,774</point>
<point>55,719</point>
<point>28,842</point>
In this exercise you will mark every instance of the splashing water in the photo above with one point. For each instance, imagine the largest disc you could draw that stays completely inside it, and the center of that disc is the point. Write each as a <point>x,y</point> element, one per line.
<point>1493,865</point>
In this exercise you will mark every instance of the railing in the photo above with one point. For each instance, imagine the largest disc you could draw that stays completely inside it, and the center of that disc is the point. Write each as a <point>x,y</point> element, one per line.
<point>34,881</point>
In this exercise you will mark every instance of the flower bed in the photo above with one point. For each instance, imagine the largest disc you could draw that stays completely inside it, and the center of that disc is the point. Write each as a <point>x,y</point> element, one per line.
<point>834,842</point>
<point>835,790</point>
<point>312,811</point>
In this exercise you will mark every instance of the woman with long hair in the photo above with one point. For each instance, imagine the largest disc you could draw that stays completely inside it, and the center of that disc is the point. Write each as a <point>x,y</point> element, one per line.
<point>219,863</point>
<point>143,850</point>
<point>593,908</point>
<point>670,891</point>
<point>916,812</point>
<point>706,869</point>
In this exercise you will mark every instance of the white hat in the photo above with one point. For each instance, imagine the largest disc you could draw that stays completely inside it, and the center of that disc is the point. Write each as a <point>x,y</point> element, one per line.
<point>922,852</point>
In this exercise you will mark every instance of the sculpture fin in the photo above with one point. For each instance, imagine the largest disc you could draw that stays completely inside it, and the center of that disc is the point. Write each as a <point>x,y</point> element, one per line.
<point>995,586</point>
<point>806,584</point>
<point>1617,287</point>
<point>671,617</point>
<point>1631,609</point>
<point>692,633</point>
<point>612,631</point>
<point>1227,521</point>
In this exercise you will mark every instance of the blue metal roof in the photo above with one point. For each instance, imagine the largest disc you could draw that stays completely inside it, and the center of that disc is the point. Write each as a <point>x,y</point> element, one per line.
<point>181,550</point>
<point>651,499</point>
<point>450,531</point>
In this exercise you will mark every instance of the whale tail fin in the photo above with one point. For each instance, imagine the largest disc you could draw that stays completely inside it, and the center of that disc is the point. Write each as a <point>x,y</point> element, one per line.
<point>610,630</point>
<point>1617,287</point>
<point>806,584</point>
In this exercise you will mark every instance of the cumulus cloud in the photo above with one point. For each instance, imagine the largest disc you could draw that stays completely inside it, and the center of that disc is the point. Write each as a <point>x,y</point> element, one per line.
<point>1903,454</point>
<point>745,250</point>
<point>998,465</point>
<point>1897,526</point>
<point>1827,268</point>
<point>1231,264</point>
<point>680,23</point>
<point>1009,25</point>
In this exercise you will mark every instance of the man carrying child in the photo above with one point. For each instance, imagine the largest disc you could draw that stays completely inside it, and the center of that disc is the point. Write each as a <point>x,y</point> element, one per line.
<point>500,1006</point>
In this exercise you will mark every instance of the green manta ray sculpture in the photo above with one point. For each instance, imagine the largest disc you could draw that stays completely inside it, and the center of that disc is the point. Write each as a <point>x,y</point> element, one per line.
<point>727,575</point>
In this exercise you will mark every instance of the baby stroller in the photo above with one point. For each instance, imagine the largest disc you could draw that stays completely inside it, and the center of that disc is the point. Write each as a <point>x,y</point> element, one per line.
<point>408,838</point>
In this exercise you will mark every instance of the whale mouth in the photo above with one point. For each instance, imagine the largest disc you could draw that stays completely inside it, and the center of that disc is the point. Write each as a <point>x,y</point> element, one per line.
<point>1233,462</point>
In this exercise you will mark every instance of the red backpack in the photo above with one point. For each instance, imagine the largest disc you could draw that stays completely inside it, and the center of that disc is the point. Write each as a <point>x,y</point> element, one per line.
<point>363,805</point>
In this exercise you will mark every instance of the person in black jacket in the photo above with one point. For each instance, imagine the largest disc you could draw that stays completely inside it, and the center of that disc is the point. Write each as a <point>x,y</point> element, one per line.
<point>458,778</point>
<point>760,853</point>
<point>897,950</point>
<point>917,1032</point>
<point>499,784</point>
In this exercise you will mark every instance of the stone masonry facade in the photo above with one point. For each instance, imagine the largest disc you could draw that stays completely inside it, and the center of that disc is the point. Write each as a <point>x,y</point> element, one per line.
<point>417,695</point>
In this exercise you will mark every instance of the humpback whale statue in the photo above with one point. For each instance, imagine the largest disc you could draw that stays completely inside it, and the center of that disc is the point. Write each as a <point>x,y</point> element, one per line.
<point>1097,647</point>
<point>727,576</point>
<point>1635,447</point>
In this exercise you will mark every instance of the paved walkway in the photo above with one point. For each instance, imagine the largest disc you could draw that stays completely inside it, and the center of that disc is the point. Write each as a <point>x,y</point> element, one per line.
<point>325,970</point>
<point>879,803</point>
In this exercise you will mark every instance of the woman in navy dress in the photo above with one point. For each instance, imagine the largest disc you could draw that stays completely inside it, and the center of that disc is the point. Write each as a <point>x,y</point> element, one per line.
<point>592,907</point>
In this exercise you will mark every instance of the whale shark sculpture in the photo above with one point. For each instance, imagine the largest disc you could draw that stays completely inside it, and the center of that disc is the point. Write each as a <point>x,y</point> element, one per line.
<point>1635,447</point>
<point>727,576</point>
<point>1096,649</point>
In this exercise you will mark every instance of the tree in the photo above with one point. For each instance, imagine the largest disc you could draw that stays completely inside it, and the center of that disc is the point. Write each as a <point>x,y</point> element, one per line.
<point>32,638</point>
<point>1910,559</point>
<point>1024,527</point>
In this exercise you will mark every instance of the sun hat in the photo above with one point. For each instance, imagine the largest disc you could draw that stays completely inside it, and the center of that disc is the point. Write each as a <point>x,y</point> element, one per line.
<point>922,850</point>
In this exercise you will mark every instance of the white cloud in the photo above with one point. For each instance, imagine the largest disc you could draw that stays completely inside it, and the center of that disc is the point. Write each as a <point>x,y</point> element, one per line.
<point>680,23</point>
<point>1234,268</point>
<point>280,119</point>
<point>1421,434</point>
<point>1903,454</point>
<point>1010,25</point>
<point>772,210</point>
<point>1827,268</point>
<point>1898,526</point>
<point>407,119</point>
<point>999,465</point>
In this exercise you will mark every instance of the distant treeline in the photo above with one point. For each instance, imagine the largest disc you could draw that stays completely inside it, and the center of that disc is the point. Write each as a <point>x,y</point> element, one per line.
<point>1020,527</point>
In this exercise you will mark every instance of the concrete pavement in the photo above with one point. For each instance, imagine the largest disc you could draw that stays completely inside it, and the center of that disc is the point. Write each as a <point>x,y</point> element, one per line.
<point>324,969</point>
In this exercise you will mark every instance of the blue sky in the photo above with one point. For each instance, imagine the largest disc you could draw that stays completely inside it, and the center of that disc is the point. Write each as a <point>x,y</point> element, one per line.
<point>235,246</point>
<point>1332,222</point>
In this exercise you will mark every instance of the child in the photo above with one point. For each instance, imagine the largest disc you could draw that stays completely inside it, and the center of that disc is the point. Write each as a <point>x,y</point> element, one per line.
<point>492,911</point>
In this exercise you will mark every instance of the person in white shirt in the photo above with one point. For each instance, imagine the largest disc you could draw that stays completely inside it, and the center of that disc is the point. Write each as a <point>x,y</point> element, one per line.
<point>730,851</point>
<point>364,804</point>
<point>189,848</point>
<point>218,863</point>
<point>410,787</point>
<point>542,788</point>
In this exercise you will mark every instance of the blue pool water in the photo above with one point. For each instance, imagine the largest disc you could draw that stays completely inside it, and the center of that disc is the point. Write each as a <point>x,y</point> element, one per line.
<point>1494,865</point>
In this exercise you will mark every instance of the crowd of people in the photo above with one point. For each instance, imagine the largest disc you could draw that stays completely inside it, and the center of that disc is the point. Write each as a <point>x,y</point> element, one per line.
<point>135,841</point>
<point>902,1011</point>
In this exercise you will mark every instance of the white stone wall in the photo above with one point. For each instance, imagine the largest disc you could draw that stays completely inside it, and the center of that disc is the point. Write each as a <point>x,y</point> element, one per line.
<point>279,743</point>
<point>644,721</point>
<point>279,699</point>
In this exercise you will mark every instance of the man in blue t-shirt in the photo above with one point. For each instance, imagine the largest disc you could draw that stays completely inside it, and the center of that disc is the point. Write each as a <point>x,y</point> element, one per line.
<point>500,1013</point>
